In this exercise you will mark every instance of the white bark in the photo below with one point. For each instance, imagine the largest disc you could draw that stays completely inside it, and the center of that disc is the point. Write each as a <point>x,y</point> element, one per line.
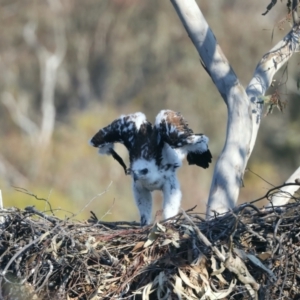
<point>270,63</point>
<point>19,116</point>
<point>49,64</point>
<point>284,195</point>
<point>244,109</point>
<point>231,164</point>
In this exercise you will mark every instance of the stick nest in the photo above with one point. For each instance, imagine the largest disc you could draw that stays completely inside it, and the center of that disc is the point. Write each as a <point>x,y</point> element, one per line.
<point>245,254</point>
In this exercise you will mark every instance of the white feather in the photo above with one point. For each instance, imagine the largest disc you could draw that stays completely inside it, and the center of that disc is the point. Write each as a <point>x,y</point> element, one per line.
<point>143,200</point>
<point>138,119</point>
<point>172,197</point>
<point>160,117</point>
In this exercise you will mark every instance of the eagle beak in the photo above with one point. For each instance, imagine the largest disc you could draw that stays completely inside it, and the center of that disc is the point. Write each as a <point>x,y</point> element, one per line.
<point>131,172</point>
<point>135,177</point>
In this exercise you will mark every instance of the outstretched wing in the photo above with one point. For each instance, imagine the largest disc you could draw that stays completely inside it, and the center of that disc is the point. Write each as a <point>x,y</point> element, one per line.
<point>174,130</point>
<point>123,130</point>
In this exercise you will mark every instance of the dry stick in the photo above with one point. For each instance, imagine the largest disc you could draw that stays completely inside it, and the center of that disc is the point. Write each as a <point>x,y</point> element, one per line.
<point>108,212</point>
<point>203,238</point>
<point>243,206</point>
<point>234,266</point>
<point>134,223</point>
<point>274,189</point>
<point>284,280</point>
<point>284,194</point>
<point>22,250</point>
<point>47,277</point>
<point>33,210</point>
<point>118,223</point>
<point>98,195</point>
<point>22,190</point>
<point>2,274</point>
<point>263,179</point>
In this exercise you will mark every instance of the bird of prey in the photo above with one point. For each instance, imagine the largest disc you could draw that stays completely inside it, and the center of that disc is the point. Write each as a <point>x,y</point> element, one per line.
<point>155,153</point>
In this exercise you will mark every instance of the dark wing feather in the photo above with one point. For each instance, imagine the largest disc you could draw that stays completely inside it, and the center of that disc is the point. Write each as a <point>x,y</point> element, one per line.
<point>126,130</point>
<point>122,130</point>
<point>119,159</point>
<point>173,129</point>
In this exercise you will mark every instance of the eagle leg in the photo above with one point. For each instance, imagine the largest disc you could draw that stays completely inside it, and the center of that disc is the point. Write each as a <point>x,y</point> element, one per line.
<point>172,197</point>
<point>143,200</point>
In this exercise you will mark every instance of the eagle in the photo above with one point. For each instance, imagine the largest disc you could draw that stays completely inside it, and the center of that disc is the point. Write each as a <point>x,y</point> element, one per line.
<point>155,153</point>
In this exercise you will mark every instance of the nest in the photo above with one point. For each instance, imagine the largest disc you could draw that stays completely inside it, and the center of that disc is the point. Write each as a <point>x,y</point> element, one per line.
<point>245,254</point>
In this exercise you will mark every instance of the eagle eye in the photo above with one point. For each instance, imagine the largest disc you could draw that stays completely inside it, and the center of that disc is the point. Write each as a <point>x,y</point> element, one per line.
<point>144,171</point>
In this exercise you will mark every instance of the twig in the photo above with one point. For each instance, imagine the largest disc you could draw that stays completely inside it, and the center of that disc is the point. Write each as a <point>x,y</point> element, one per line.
<point>249,170</point>
<point>33,210</point>
<point>47,277</point>
<point>108,212</point>
<point>35,241</point>
<point>24,191</point>
<point>274,189</point>
<point>203,238</point>
<point>98,195</point>
<point>118,223</point>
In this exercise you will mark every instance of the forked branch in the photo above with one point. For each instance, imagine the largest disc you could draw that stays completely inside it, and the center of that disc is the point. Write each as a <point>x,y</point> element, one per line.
<point>244,107</point>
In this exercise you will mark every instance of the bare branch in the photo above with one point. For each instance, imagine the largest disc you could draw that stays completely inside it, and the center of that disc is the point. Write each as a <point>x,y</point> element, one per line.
<point>19,117</point>
<point>285,193</point>
<point>22,190</point>
<point>271,192</point>
<point>270,63</point>
<point>49,64</point>
<point>52,64</point>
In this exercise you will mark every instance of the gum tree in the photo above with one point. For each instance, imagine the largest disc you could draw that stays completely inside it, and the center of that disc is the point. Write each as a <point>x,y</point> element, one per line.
<point>244,105</point>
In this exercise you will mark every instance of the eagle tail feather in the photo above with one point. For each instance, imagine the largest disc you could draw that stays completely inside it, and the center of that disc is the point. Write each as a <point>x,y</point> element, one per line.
<point>200,159</point>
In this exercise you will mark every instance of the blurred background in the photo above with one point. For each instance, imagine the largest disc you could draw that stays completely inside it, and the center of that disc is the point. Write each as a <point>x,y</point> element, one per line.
<point>70,67</point>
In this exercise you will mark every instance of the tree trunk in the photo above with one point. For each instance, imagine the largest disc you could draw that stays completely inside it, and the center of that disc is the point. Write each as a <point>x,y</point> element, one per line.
<point>244,106</point>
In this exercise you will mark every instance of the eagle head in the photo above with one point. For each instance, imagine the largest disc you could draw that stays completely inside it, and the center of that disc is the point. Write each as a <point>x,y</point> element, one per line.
<point>145,171</point>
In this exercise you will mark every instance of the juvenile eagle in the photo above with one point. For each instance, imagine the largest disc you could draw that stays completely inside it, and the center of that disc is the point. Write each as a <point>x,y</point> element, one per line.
<point>155,154</point>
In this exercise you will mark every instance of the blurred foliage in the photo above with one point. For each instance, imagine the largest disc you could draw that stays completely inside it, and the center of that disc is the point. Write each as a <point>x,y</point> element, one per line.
<point>125,56</point>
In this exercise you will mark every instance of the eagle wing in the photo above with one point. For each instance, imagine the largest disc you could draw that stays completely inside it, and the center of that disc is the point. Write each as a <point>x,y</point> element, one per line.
<point>125,130</point>
<point>174,130</point>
